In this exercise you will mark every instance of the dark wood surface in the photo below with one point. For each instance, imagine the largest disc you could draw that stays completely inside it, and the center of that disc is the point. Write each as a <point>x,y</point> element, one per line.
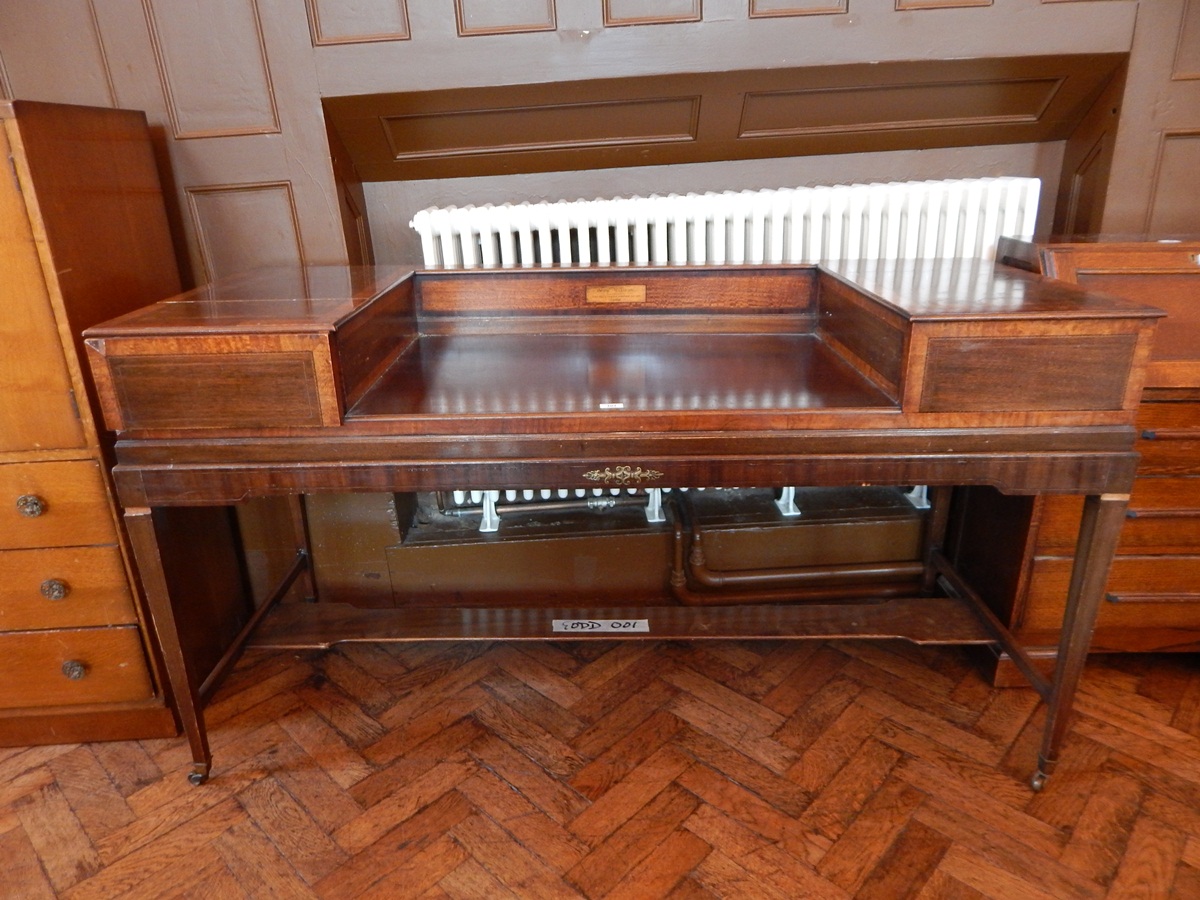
<point>1152,599</point>
<point>598,123</point>
<point>520,375</point>
<point>926,620</point>
<point>610,770</point>
<point>483,396</point>
<point>943,360</point>
<point>1166,274</point>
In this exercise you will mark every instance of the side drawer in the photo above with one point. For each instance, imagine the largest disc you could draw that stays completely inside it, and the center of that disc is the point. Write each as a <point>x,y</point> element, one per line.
<point>63,587</point>
<point>1143,592</point>
<point>1169,438</point>
<point>73,666</point>
<point>54,504</point>
<point>1163,517</point>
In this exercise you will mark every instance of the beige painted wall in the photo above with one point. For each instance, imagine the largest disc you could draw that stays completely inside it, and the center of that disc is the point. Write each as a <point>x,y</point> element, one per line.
<point>1157,154</point>
<point>235,90</point>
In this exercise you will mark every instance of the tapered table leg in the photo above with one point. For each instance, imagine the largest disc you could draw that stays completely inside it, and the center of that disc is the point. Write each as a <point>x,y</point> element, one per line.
<point>144,538</point>
<point>1099,532</point>
<point>935,532</point>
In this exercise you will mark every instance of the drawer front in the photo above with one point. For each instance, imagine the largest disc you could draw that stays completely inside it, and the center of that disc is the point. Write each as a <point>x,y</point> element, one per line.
<point>63,587</point>
<point>1163,518</point>
<point>1169,438</point>
<point>75,666</point>
<point>1144,592</point>
<point>54,504</point>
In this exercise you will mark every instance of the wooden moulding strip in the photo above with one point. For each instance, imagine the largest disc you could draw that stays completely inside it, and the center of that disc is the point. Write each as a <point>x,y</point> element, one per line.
<point>954,584</point>
<point>922,620</point>
<point>239,643</point>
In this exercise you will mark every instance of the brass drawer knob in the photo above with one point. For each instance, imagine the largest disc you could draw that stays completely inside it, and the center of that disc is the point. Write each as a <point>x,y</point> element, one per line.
<point>31,505</point>
<point>74,669</point>
<point>55,589</point>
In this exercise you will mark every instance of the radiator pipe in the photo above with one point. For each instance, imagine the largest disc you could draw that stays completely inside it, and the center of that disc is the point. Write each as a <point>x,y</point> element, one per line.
<point>810,583</point>
<point>850,573</point>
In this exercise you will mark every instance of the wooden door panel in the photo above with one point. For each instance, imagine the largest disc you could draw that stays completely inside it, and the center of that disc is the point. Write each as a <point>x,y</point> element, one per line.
<point>37,411</point>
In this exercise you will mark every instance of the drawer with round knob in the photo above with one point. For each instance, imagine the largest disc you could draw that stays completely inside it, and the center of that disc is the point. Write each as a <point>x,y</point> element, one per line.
<point>63,587</point>
<point>66,667</point>
<point>54,504</point>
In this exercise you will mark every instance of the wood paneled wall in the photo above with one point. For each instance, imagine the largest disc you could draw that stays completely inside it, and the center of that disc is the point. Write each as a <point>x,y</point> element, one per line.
<point>234,88</point>
<point>1156,161</point>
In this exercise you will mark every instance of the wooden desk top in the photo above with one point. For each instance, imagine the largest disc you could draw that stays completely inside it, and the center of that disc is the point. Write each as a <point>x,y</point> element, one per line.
<point>522,374</point>
<point>931,344</point>
<point>313,299</point>
<point>935,374</point>
<point>929,289</point>
<point>318,298</point>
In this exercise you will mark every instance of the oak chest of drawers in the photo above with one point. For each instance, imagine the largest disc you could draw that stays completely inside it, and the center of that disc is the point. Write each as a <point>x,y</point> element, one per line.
<point>1153,591</point>
<point>83,235</point>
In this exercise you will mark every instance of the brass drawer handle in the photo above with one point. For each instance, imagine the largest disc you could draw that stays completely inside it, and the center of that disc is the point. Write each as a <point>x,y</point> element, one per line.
<point>55,589</point>
<point>74,669</point>
<point>31,505</point>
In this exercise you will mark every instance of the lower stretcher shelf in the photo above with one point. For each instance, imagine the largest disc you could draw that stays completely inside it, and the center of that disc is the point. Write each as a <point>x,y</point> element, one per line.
<point>923,620</point>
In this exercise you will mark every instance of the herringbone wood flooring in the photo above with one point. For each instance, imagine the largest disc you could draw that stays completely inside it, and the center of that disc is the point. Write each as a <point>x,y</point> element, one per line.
<point>637,769</point>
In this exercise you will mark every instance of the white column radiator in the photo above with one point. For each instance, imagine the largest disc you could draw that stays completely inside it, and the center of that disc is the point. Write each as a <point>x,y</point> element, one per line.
<point>913,220</point>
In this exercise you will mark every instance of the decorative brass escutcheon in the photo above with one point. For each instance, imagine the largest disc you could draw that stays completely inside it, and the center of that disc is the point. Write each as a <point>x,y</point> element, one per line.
<point>55,589</point>
<point>74,669</point>
<point>623,475</point>
<point>31,505</point>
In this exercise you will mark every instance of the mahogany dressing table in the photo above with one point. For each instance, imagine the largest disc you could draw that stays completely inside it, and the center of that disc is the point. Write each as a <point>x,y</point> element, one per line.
<point>293,383</point>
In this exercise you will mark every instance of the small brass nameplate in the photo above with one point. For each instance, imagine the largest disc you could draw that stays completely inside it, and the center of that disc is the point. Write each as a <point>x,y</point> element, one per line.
<point>617,293</point>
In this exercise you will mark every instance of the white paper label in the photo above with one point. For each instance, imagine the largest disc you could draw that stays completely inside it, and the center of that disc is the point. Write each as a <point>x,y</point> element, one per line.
<point>600,626</point>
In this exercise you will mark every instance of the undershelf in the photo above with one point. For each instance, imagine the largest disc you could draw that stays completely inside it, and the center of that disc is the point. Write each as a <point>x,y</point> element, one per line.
<point>922,620</point>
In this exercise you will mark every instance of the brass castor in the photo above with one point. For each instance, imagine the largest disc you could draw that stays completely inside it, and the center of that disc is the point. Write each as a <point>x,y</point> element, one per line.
<point>197,778</point>
<point>1038,781</point>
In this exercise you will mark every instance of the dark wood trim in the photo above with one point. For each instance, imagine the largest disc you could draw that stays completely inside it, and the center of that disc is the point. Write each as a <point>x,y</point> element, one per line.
<point>106,722</point>
<point>704,116</point>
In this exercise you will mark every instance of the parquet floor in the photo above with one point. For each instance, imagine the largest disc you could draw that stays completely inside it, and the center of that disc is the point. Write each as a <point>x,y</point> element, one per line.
<point>626,770</point>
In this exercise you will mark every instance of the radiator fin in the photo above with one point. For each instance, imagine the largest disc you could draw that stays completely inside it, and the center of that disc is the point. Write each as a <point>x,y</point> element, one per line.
<point>912,220</point>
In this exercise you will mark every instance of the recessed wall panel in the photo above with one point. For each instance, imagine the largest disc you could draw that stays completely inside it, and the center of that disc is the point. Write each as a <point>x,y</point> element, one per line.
<point>1086,190</point>
<point>769,8</point>
<point>1187,53</point>
<point>651,12</point>
<point>939,4</point>
<point>357,21</point>
<point>77,73</point>
<point>896,106</point>
<point>216,80</point>
<point>542,127</point>
<point>1176,212</point>
<point>240,227</point>
<point>503,16</point>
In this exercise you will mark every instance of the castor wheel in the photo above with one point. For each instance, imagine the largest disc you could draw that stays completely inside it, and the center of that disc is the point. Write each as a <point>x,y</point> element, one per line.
<point>1038,781</point>
<point>197,778</point>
